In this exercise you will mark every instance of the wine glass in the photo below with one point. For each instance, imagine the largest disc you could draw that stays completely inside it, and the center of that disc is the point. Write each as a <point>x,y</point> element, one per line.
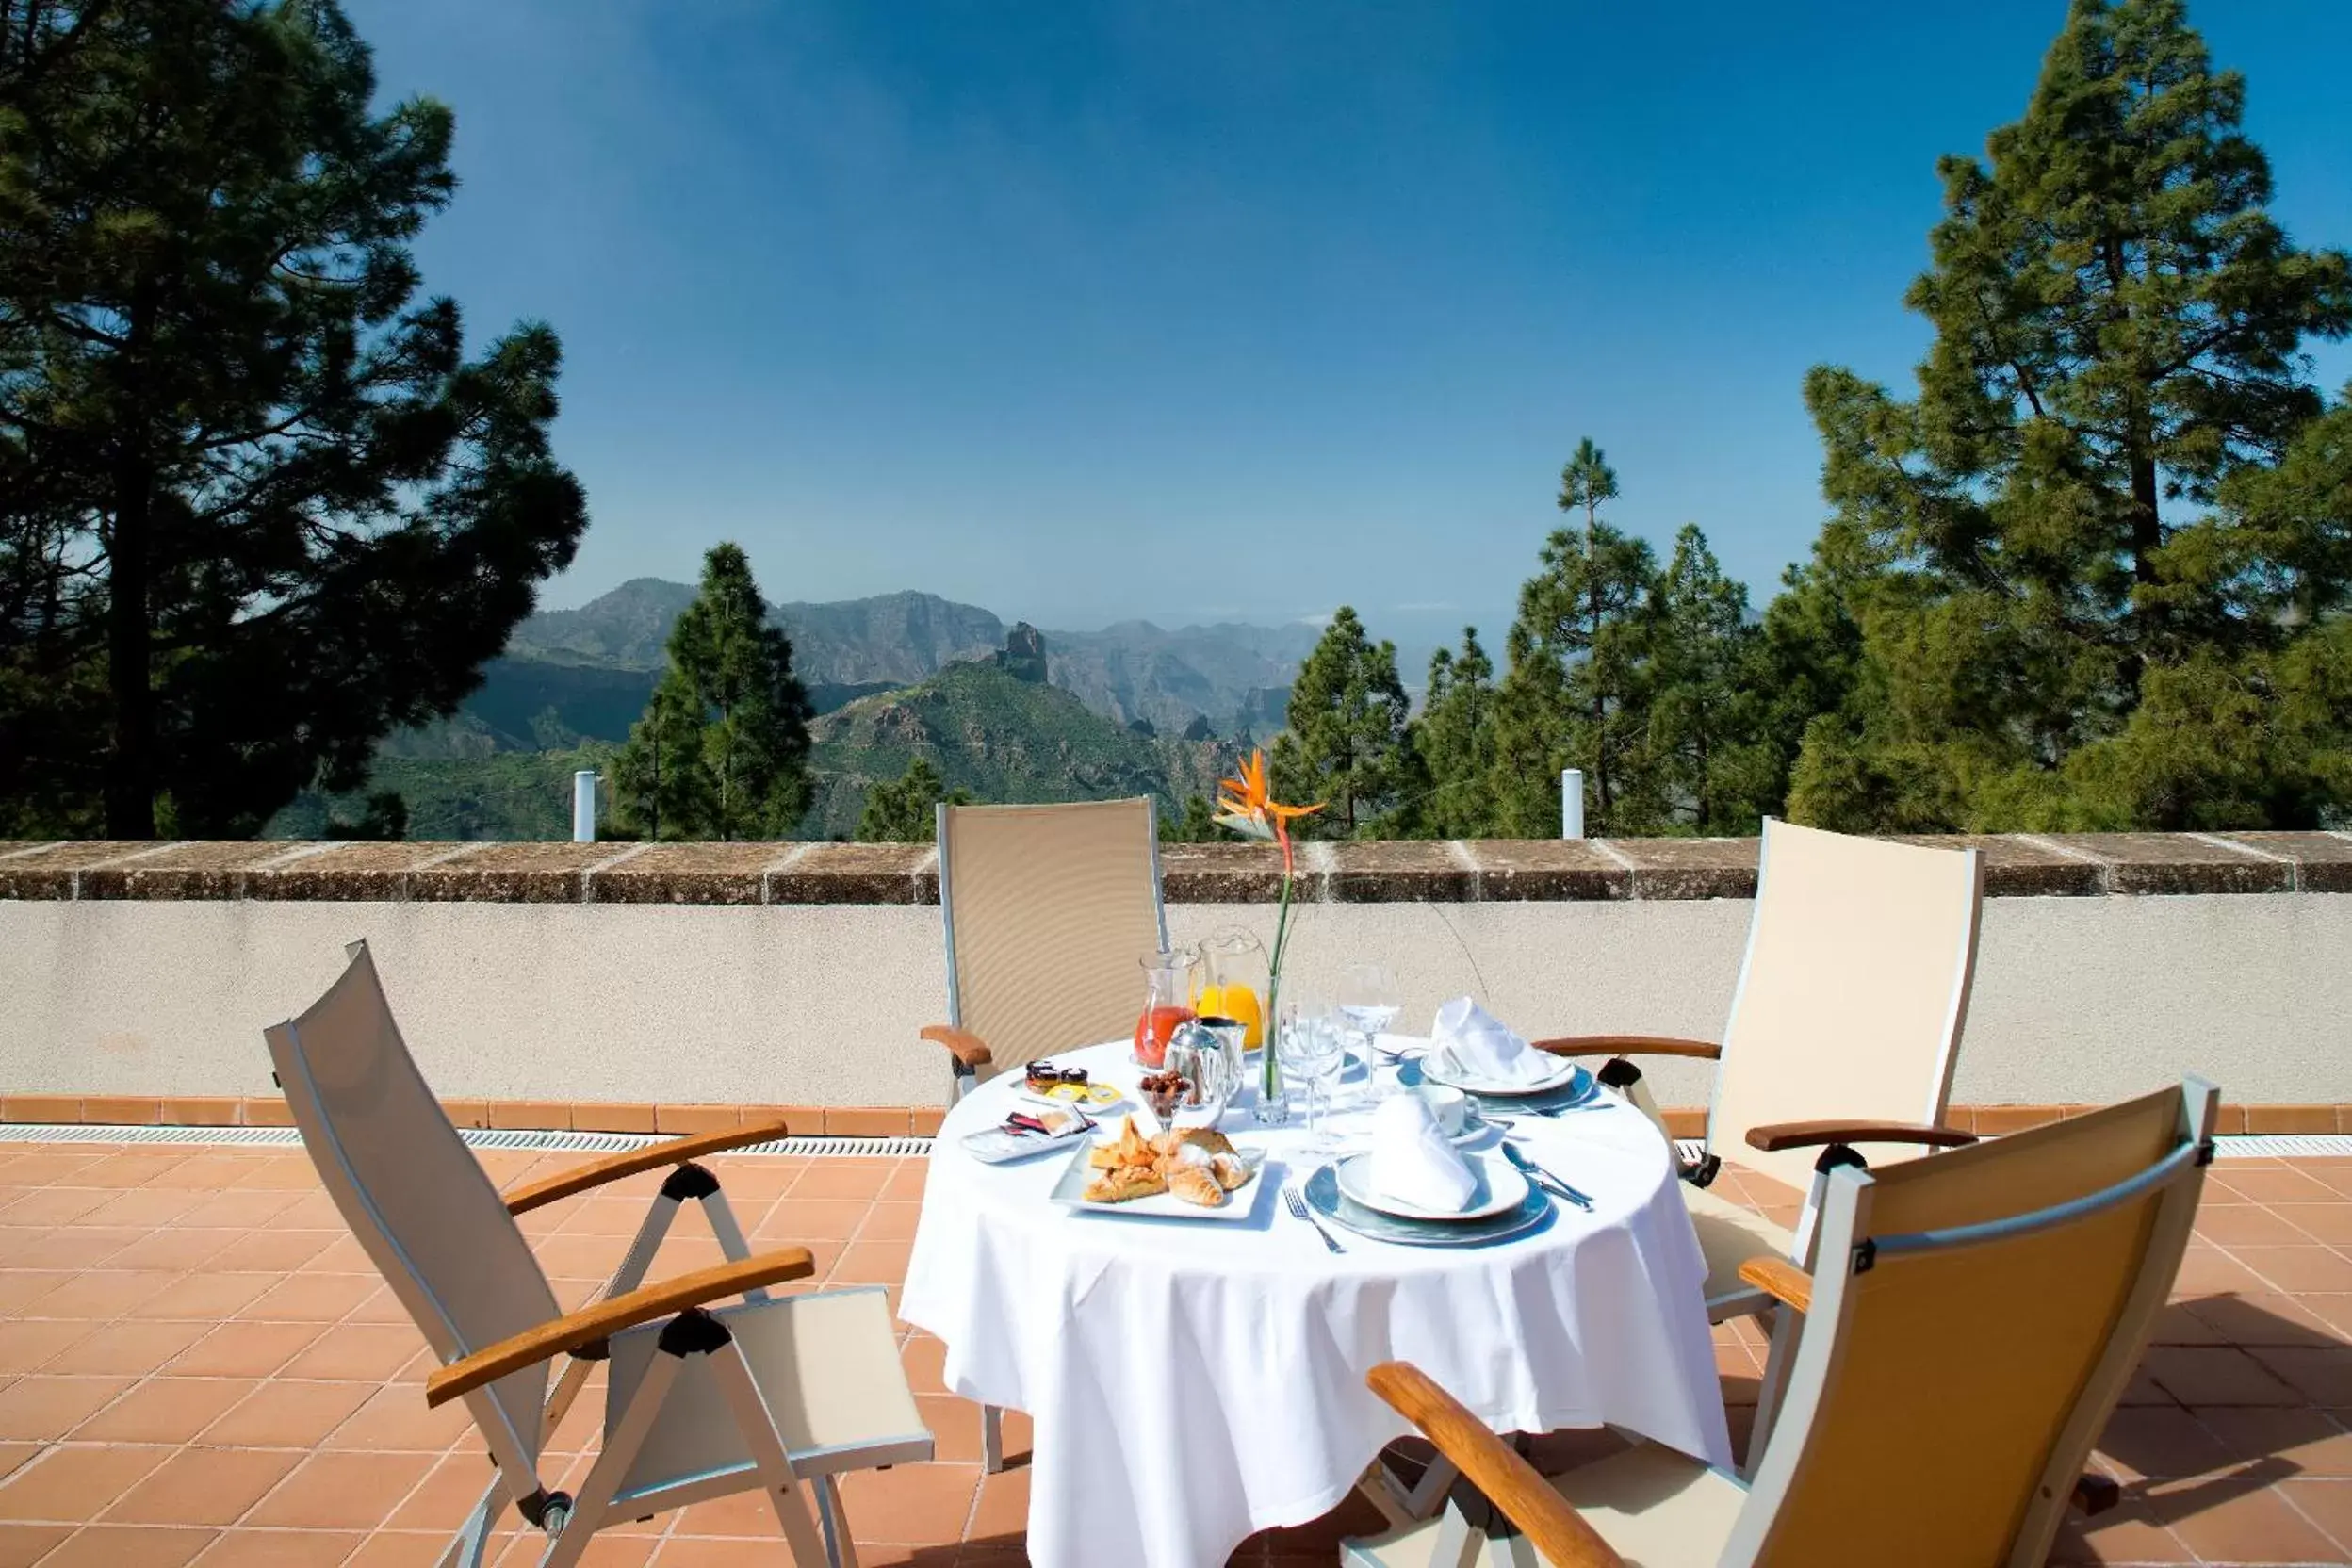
<point>1370,1001</point>
<point>1312,1045</point>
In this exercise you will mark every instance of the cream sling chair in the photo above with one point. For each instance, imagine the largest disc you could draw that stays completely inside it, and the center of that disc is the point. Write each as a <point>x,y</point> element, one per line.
<point>1848,1014</point>
<point>1047,910</point>
<point>1974,1322</point>
<point>701,1401</point>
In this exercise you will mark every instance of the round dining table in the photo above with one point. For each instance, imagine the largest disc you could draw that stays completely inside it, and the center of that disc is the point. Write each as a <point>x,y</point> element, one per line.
<point>1191,1382</point>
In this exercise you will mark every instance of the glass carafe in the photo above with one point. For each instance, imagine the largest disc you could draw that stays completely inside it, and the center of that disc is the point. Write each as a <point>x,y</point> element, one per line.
<point>1232,983</point>
<point>1167,980</point>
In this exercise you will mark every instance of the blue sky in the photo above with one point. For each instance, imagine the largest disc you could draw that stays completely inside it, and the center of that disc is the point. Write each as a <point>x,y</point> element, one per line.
<point>1086,311</point>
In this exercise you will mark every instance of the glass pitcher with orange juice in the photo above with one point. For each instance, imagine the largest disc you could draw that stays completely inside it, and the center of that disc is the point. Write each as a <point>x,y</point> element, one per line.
<point>1167,981</point>
<point>1232,983</point>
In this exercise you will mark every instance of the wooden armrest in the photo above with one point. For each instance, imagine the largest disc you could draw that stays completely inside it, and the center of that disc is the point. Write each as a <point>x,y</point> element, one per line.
<point>601,1320</point>
<point>1812,1135</point>
<point>1781,1280</point>
<point>652,1158</point>
<point>1510,1483</point>
<point>1628,1045</point>
<point>968,1047</point>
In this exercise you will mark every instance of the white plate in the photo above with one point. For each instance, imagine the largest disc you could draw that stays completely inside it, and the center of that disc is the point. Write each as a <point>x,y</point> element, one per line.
<point>1501,1189</point>
<point>1071,1190</point>
<point>1091,1097</point>
<point>1437,1069</point>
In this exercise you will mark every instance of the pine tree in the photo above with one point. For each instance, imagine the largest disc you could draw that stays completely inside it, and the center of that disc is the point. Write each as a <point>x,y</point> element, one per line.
<point>1705,713</point>
<point>257,506</point>
<point>907,811</point>
<point>2080,602</point>
<point>1345,741</point>
<point>1454,738</point>
<point>1574,696</point>
<point>722,751</point>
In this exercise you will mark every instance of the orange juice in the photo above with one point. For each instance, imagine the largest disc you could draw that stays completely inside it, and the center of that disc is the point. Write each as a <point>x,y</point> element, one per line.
<point>1240,1004</point>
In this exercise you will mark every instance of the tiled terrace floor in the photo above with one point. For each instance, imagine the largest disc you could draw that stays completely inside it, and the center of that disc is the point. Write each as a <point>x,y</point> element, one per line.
<point>197,1365</point>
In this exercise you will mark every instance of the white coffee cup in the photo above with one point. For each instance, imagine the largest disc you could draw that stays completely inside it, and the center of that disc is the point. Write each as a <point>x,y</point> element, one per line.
<point>1450,1106</point>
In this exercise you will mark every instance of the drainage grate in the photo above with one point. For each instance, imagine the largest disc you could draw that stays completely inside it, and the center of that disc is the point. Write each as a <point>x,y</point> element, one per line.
<point>477,1137</point>
<point>2268,1146</point>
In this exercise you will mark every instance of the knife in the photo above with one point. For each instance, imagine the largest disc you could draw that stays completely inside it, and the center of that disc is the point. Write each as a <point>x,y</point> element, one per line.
<point>1541,1176</point>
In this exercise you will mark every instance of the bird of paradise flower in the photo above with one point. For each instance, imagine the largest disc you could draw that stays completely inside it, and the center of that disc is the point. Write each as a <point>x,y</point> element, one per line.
<point>1244,807</point>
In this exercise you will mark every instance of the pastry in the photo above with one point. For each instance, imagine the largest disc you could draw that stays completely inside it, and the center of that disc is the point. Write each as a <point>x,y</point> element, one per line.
<point>1195,1184</point>
<point>1124,1184</point>
<point>1207,1140</point>
<point>1230,1170</point>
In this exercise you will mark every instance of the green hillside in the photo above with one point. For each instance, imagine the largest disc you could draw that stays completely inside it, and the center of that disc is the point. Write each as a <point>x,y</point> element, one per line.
<point>1001,739</point>
<point>506,795</point>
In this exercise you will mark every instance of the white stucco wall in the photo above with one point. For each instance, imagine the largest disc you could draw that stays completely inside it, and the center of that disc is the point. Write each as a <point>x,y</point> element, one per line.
<point>2077,998</point>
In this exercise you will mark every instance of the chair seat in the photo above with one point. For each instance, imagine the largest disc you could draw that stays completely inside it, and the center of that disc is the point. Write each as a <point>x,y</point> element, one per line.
<point>1657,1507</point>
<point>827,1365</point>
<point>1729,1235</point>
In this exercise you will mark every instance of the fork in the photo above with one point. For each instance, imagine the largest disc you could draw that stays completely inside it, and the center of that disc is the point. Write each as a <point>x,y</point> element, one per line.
<point>1298,1207</point>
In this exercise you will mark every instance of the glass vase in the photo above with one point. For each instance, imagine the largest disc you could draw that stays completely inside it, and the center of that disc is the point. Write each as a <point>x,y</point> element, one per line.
<point>1273,1104</point>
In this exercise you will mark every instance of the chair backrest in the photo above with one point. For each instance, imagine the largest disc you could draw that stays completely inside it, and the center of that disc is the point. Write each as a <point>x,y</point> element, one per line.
<point>1975,1318</point>
<point>1853,990</point>
<point>416,1197</point>
<point>1048,909</point>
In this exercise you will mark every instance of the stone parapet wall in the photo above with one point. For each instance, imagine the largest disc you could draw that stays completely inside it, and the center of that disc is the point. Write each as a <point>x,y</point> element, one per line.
<point>2072,865</point>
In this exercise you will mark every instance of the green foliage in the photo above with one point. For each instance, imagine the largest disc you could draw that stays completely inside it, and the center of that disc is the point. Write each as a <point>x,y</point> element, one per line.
<point>1454,738</point>
<point>722,751</point>
<point>1574,695</point>
<point>257,507</point>
<point>385,817</point>
<point>2088,569</point>
<point>1197,826</point>
<point>1346,744</point>
<point>1707,753</point>
<point>501,795</point>
<point>907,811</point>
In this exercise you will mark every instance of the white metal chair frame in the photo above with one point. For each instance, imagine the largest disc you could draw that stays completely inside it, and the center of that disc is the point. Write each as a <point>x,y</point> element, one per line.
<point>667,1325</point>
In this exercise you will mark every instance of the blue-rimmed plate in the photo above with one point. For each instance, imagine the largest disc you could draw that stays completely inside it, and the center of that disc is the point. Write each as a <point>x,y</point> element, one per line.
<point>1324,1197</point>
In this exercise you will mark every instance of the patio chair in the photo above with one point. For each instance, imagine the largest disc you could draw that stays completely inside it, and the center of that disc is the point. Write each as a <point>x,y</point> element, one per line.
<point>702,1400</point>
<point>1974,1322</point>
<point>1848,1013</point>
<point>1047,909</point>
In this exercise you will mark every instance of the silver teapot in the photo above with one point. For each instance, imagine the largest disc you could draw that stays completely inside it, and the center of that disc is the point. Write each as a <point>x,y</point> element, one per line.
<point>1209,1060</point>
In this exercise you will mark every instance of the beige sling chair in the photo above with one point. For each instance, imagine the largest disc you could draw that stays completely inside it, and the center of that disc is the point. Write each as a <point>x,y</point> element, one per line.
<point>1048,910</point>
<point>1847,1015</point>
<point>701,1401</point>
<point>1973,1323</point>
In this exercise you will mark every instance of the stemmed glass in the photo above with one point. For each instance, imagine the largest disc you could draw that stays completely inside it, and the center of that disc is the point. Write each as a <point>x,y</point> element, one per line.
<point>1312,1047</point>
<point>1370,1001</point>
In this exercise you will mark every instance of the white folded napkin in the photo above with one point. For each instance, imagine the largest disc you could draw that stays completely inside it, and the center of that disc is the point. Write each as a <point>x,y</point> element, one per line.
<point>1477,1044</point>
<point>1413,1162</point>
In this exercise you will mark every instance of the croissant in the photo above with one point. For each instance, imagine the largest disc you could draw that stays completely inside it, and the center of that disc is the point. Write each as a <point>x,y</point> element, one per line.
<point>1195,1184</point>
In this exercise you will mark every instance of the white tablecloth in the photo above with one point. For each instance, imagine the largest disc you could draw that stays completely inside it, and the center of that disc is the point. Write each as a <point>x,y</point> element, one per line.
<point>1192,1382</point>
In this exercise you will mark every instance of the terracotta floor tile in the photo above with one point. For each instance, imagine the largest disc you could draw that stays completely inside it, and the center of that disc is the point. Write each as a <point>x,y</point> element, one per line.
<point>274,1250</point>
<point>2330,1222</point>
<point>29,1342</point>
<point>397,1418</point>
<point>145,1207</point>
<point>701,1552</point>
<point>126,1350</point>
<point>796,1220</point>
<point>2161,1443</point>
<point>2296,1270</point>
<point>279,1549</point>
<point>2211,1271</point>
<point>2220,1375</point>
<point>872,1263</point>
<point>400,1549</point>
<point>2124,1535</point>
<point>206,1297</point>
<point>446,1495</point>
<point>2322,1373</point>
<point>2310,1440</point>
<point>744,1515</point>
<point>2273,1185</point>
<point>282,1414</point>
<point>954,1425</point>
<point>311,1298</point>
<point>71,1486</point>
<point>364,1352</point>
<point>906,1183</point>
<point>1003,1506</point>
<point>76,1246</point>
<point>843,1179</point>
<point>164,1410</point>
<point>240,1349</point>
<point>41,1409</point>
<point>21,1545</point>
<point>20,1287</point>
<point>202,1486</point>
<point>911,1504</point>
<point>240,1211</point>
<point>891,1222</point>
<point>2253,1526</point>
<point>334,1491</point>
<point>128,1546</point>
<point>2263,1319</point>
<point>2235,1223</point>
<point>925,1360</point>
<point>15,1456</point>
<point>177,1248</point>
<point>44,1206</point>
<point>2327,1504</point>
